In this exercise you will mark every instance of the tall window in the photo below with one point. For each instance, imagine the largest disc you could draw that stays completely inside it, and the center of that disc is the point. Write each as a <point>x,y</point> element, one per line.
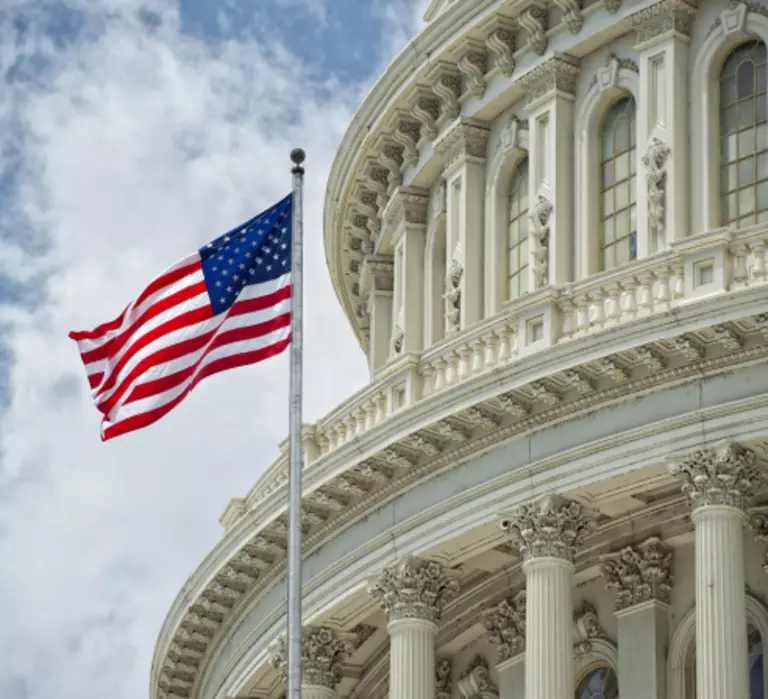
<point>599,683</point>
<point>618,216</point>
<point>518,232</point>
<point>744,136</point>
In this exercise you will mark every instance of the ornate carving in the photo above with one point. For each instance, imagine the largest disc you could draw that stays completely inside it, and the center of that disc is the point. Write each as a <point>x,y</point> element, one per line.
<point>639,573</point>
<point>407,205</point>
<point>443,682</point>
<point>727,339</point>
<point>396,341</point>
<point>505,624</point>
<point>472,66</point>
<point>586,627</point>
<point>322,656</point>
<point>464,139</point>
<point>501,44</point>
<point>447,88</point>
<point>534,21</point>
<point>662,17</point>
<point>437,203</point>
<point>510,134</point>
<point>406,134</point>
<point>391,157</point>
<point>426,110</point>
<point>452,297</point>
<point>732,20</point>
<point>539,237</point>
<point>612,6</point>
<point>724,475</point>
<point>476,681</point>
<point>414,589</point>
<point>571,14</point>
<point>376,274</point>
<point>554,74</point>
<point>655,160</point>
<point>758,521</point>
<point>553,527</point>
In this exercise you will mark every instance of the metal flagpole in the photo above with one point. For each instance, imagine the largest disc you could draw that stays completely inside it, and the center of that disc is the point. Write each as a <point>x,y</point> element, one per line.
<point>294,472</point>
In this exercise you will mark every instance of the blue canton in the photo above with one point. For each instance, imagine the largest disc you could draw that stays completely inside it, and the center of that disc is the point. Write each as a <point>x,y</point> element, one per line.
<point>255,252</point>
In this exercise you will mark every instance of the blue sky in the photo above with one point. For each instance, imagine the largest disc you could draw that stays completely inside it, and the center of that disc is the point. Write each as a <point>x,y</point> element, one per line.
<point>132,131</point>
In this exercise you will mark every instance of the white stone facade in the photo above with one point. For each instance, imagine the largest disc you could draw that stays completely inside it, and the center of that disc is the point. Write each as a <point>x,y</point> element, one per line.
<point>547,225</point>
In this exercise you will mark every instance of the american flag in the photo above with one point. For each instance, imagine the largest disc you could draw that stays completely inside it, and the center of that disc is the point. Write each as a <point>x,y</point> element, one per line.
<point>226,305</point>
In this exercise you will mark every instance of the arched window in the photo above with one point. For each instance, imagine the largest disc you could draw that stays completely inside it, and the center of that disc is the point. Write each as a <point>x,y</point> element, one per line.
<point>744,136</point>
<point>518,232</point>
<point>599,683</point>
<point>618,215</point>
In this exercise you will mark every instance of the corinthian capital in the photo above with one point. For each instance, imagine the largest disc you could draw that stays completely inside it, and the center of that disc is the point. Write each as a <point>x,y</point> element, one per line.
<point>414,589</point>
<point>639,573</point>
<point>322,654</point>
<point>723,475</point>
<point>505,624</point>
<point>553,527</point>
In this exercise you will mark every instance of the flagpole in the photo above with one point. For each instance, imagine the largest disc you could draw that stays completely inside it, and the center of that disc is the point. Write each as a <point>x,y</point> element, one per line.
<point>294,472</point>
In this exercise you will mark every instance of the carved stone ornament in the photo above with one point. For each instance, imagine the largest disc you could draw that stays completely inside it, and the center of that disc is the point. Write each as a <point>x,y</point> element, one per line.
<point>655,161</point>
<point>396,341</point>
<point>510,134</point>
<point>724,475</point>
<point>376,274</point>
<point>414,589</point>
<point>447,88</point>
<point>586,628</point>
<point>322,655</point>
<point>534,21</point>
<point>612,6</point>
<point>553,75</point>
<point>465,139</point>
<point>758,521</point>
<point>732,20</point>
<point>639,573</point>
<point>426,109</point>
<point>472,66</point>
<point>662,17</point>
<point>553,527</point>
<point>476,681</point>
<point>407,205</point>
<point>443,683</point>
<point>452,297</point>
<point>505,624</point>
<point>406,134</point>
<point>539,237</point>
<point>501,44</point>
<point>571,14</point>
<point>437,203</point>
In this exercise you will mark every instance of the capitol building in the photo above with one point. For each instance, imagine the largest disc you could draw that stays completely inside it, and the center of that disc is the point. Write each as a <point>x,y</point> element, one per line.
<point>547,225</point>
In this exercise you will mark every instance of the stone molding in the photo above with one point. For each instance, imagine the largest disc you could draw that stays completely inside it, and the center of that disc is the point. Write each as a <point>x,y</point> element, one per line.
<point>407,205</point>
<point>553,527</point>
<point>724,475</point>
<point>662,17</point>
<point>476,681</point>
<point>464,139</point>
<point>556,75</point>
<point>414,588</point>
<point>377,274</point>
<point>505,624</point>
<point>323,653</point>
<point>641,573</point>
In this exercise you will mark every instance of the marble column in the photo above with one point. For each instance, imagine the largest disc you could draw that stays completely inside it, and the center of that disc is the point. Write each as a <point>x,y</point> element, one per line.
<point>718,483</point>
<point>505,624</point>
<point>642,578</point>
<point>548,533</point>
<point>413,592</point>
<point>323,651</point>
<point>376,285</point>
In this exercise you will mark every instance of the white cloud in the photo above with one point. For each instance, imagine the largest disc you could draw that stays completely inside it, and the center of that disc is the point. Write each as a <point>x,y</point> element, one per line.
<point>137,144</point>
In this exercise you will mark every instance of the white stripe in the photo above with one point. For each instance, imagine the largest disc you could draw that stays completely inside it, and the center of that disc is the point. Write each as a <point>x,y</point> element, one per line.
<point>152,403</point>
<point>224,323</point>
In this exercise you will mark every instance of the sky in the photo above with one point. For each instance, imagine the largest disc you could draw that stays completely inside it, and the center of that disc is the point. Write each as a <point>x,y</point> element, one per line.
<point>131,133</point>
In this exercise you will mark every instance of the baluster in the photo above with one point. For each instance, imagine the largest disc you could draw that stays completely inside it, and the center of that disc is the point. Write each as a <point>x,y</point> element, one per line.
<point>568,324</point>
<point>439,374</point>
<point>740,276</point>
<point>370,414</point>
<point>662,291</point>
<point>613,309</point>
<point>381,407</point>
<point>678,283</point>
<point>463,364</point>
<point>645,301</point>
<point>359,415</point>
<point>428,385</point>
<point>477,355</point>
<point>757,270</point>
<point>450,368</point>
<point>598,308</point>
<point>582,315</point>
<point>504,349</point>
<point>628,300</point>
<point>490,350</point>
<point>322,442</point>
<point>512,340</point>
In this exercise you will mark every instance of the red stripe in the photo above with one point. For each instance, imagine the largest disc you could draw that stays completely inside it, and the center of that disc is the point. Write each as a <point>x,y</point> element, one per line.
<point>95,379</point>
<point>154,286</point>
<point>216,339</point>
<point>136,422</point>
<point>240,308</point>
<point>116,343</point>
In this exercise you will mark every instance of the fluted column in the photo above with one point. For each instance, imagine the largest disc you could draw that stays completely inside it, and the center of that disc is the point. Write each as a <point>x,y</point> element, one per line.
<point>413,592</point>
<point>548,533</point>
<point>323,652</point>
<point>718,483</point>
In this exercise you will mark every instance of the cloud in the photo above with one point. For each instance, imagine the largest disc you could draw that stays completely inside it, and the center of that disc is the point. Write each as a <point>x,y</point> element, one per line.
<point>127,144</point>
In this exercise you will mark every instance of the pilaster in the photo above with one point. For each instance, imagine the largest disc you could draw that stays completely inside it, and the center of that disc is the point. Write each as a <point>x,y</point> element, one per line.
<point>376,286</point>
<point>550,89</point>
<point>548,533</point>
<point>642,578</point>
<point>463,148</point>
<point>663,125</point>
<point>719,482</point>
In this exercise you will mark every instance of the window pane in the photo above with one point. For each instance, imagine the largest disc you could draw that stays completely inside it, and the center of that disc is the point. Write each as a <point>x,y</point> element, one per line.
<point>622,167</point>
<point>607,174</point>
<point>622,224</point>
<point>622,195</point>
<point>608,231</point>
<point>746,113</point>
<point>746,142</point>
<point>622,251</point>
<point>608,258</point>
<point>728,149</point>
<point>746,79</point>
<point>746,171</point>
<point>746,201</point>
<point>762,166</point>
<point>728,90</point>
<point>633,246</point>
<point>762,196</point>
<point>729,119</point>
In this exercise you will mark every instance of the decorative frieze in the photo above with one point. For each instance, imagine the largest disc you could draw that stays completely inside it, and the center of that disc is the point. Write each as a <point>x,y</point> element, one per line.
<point>555,75</point>
<point>534,21</point>
<point>639,573</point>
<point>655,161</point>
<point>723,475</point>
<point>465,139</point>
<point>476,681</point>
<point>553,527</point>
<point>663,17</point>
<point>505,624</point>
<point>414,589</point>
<point>408,205</point>
<point>443,681</point>
<point>323,654</point>
<point>376,274</point>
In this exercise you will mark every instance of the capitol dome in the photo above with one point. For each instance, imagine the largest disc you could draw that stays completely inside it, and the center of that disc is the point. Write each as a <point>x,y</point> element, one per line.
<point>547,226</point>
